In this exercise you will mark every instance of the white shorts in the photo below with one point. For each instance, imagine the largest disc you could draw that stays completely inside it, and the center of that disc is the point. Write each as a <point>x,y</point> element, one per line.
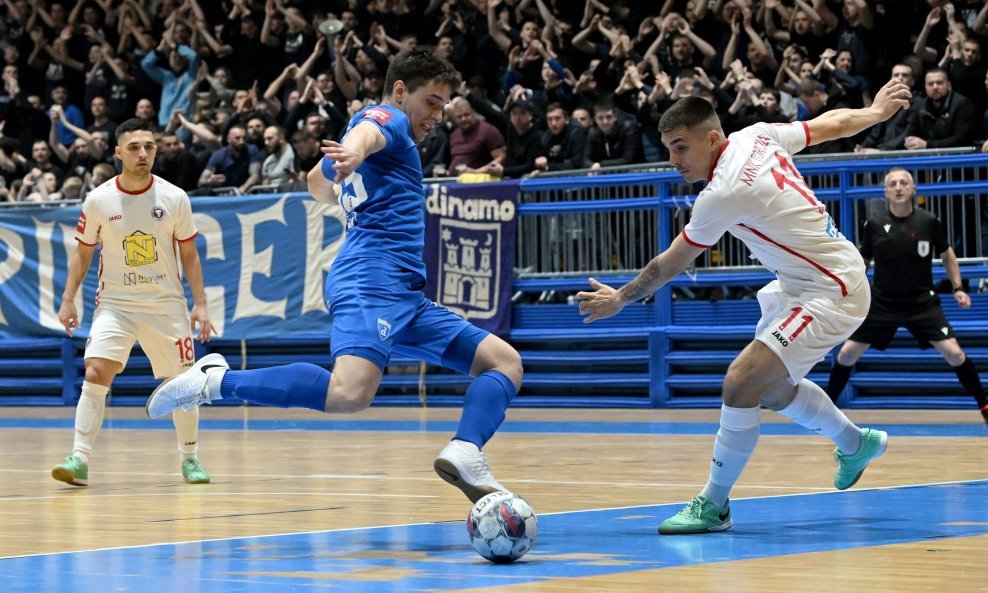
<point>802,329</point>
<point>165,339</point>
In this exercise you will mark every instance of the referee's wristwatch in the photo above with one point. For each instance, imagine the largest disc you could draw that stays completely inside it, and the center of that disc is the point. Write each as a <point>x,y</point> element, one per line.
<point>958,289</point>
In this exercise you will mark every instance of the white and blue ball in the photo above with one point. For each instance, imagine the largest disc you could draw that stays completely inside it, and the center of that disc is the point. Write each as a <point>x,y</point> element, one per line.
<point>502,527</point>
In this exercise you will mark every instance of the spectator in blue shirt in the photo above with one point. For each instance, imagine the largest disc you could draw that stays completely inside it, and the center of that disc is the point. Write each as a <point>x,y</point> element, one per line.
<point>68,111</point>
<point>176,81</point>
<point>238,164</point>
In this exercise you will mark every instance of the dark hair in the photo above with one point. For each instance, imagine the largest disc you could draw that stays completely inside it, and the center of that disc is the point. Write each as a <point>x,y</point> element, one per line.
<point>134,124</point>
<point>808,86</point>
<point>603,103</point>
<point>420,65</point>
<point>772,91</point>
<point>689,112</point>
<point>302,135</point>
<point>935,70</point>
<point>554,106</point>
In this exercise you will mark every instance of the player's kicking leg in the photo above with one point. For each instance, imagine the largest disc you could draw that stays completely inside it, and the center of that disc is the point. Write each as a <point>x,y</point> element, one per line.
<point>497,369</point>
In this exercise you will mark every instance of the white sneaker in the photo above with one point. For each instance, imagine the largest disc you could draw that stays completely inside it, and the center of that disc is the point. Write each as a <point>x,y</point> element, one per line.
<point>465,466</point>
<point>187,390</point>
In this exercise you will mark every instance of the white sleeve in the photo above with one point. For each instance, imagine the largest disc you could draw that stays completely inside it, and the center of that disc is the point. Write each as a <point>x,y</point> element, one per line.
<point>185,228</point>
<point>713,213</point>
<point>793,136</point>
<point>87,229</point>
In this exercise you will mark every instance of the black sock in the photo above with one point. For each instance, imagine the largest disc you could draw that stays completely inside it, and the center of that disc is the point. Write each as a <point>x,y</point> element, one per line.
<point>968,375</point>
<point>839,376</point>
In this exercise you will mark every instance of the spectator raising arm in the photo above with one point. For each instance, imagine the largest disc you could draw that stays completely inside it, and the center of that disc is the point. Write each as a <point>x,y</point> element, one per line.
<point>493,29</point>
<point>920,48</point>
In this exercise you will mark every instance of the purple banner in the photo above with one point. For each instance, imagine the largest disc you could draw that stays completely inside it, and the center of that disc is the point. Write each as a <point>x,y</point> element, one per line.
<point>470,250</point>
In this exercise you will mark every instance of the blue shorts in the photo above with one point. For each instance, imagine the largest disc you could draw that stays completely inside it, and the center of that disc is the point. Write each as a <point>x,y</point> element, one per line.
<point>379,308</point>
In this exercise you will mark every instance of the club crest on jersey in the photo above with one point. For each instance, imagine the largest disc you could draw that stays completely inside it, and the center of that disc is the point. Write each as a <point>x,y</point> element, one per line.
<point>923,248</point>
<point>140,249</point>
<point>381,116</point>
<point>383,328</point>
<point>157,213</point>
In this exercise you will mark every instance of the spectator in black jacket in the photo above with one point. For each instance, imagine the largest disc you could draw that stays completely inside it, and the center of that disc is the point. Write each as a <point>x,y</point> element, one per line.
<point>563,143</point>
<point>613,140</point>
<point>176,164</point>
<point>943,119</point>
<point>524,140</point>
<point>891,134</point>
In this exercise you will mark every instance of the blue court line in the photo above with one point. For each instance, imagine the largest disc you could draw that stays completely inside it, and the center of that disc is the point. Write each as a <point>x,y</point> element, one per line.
<point>437,556</point>
<point>654,428</point>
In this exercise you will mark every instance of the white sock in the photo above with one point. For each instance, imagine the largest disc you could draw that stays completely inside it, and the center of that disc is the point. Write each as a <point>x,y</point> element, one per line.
<point>813,409</point>
<point>89,418</point>
<point>187,429</point>
<point>733,446</point>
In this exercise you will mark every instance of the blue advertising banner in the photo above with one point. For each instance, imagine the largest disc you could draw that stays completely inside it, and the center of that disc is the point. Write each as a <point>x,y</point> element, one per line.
<point>265,259</point>
<point>470,250</point>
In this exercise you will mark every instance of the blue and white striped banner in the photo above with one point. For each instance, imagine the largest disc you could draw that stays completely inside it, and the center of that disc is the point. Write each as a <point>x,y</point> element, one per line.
<point>264,259</point>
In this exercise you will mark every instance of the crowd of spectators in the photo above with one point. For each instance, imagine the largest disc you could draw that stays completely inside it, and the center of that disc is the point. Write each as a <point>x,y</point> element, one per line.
<point>243,91</point>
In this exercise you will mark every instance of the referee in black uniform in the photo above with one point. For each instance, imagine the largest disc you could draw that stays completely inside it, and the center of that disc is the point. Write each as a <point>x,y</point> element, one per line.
<point>902,240</point>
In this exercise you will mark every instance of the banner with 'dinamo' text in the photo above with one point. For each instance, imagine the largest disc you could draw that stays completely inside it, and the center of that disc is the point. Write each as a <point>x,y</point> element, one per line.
<point>470,250</point>
<point>265,259</point>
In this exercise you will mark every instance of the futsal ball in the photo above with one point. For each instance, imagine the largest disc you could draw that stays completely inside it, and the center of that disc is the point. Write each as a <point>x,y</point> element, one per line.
<point>502,527</point>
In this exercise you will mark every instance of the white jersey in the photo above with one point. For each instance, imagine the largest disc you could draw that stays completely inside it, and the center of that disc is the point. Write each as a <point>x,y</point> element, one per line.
<point>137,234</point>
<point>756,194</point>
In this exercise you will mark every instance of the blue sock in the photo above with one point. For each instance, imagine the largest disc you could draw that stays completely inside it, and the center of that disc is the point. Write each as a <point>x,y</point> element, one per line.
<point>298,385</point>
<point>483,407</point>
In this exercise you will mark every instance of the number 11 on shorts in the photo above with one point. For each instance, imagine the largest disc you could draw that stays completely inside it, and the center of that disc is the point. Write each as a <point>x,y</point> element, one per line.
<point>806,321</point>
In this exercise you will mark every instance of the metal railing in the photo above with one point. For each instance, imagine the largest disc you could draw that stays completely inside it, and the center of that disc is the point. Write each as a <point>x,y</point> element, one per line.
<point>615,223</point>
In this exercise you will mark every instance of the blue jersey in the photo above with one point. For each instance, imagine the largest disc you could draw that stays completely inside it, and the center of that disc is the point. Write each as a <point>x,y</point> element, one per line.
<point>384,199</point>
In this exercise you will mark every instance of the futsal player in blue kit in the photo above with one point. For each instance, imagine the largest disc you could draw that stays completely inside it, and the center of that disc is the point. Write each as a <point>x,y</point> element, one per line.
<point>374,288</point>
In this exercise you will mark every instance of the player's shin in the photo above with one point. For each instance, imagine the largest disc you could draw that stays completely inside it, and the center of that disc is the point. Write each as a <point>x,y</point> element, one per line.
<point>298,385</point>
<point>812,408</point>
<point>735,442</point>
<point>89,418</point>
<point>484,406</point>
<point>187,431</point>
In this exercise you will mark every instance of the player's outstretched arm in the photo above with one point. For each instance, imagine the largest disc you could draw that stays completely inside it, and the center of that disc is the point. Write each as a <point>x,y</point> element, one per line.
<point>606,301</point>
<point>841,123</point>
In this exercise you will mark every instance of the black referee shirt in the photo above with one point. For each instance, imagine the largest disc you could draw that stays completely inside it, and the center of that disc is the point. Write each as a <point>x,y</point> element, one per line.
<point>903,250</point>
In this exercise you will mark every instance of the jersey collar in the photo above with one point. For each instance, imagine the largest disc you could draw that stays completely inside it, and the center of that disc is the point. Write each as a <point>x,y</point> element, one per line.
<point>133,193</point>
<point>723,147</point>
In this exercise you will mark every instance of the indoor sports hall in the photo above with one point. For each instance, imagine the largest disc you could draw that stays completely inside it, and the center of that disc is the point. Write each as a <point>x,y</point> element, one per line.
<point>610,435</point>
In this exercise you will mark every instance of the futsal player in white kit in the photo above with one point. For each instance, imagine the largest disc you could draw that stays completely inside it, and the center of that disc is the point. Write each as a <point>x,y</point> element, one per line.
<point>143,226</point>
<point>821,294</point>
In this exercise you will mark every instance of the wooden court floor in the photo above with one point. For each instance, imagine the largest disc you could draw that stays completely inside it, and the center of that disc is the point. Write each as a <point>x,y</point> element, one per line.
<point>367,513</point>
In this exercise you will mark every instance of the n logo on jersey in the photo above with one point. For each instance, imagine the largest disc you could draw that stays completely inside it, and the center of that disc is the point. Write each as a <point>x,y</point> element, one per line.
<point>923,248</point>
<point>383,328</point>
<point>140,249</point>
<point>381,116</point>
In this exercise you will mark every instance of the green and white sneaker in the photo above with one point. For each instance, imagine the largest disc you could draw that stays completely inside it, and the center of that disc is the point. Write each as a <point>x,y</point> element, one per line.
<point>193,473</point>
<point>72,471</point>
<point>699,516</point>
<point>850,467</point>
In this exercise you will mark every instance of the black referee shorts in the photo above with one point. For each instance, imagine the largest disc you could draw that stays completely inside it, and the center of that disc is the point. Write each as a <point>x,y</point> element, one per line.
<point>927,325</point>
